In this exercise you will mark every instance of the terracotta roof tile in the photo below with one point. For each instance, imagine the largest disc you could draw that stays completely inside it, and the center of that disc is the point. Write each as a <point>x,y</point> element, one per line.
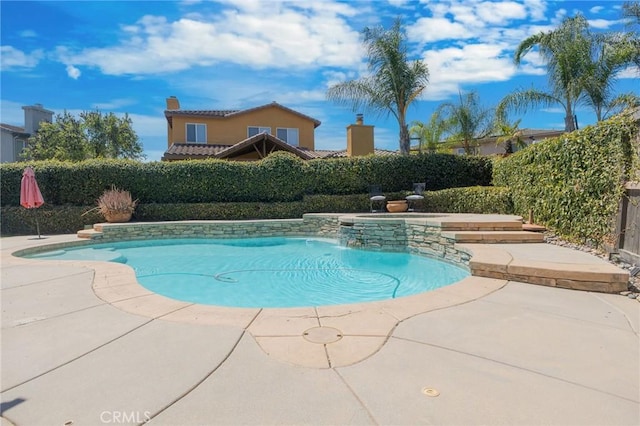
<point>222,113</point>
<point>188,150</point>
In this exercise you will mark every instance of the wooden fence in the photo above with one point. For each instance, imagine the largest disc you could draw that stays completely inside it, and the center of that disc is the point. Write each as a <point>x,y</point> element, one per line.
<point>628,245</point>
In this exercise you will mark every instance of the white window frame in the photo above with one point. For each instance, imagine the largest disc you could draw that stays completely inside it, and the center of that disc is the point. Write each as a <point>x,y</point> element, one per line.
<point>186,134</point>
<point>258,129</point>
<point>288,138</point>
<point>460,151</point>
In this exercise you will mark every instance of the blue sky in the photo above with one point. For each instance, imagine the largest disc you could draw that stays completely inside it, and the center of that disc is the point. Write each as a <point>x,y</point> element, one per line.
<point>129,56</point>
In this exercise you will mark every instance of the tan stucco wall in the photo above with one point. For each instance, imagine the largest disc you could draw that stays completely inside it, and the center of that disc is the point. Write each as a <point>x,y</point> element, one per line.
<point>359,140</point>
<point>230,130</point>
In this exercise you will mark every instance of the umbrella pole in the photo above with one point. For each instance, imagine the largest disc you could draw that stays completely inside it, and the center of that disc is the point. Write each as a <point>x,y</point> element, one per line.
<point>37,223</point>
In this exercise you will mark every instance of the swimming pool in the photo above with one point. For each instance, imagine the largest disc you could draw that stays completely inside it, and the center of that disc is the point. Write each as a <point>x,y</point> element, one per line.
<point>269,272</point>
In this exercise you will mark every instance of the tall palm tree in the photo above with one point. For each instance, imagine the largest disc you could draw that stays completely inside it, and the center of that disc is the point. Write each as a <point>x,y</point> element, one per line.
<point>632,10</point>
<point>610,54</point>
<point>511,136</point>
<point>430,134</point>
<point>566,51</point>
<point>393,83</point>
<point>466,121</point>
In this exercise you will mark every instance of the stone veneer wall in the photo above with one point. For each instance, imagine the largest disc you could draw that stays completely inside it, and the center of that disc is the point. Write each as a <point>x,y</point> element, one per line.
<point>203,229</point>
<point>390,234</point>
<point>318,224</point>
<point>365,232</point>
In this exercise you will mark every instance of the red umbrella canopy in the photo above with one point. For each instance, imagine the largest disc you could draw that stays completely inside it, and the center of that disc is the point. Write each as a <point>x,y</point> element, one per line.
<point>30,196</point>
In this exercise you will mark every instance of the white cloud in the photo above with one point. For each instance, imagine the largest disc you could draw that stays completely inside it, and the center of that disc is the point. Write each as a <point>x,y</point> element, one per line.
<point>426,30</point>
<point>537,9</point>
<point>596,9</point>
<point>473,63</point>
<point>496,13</point>
<point>398,3</point>
<point>73,72</point>
<point>630,72</point>
<point>603,24</point>
<point>297,35</point>
<point>113,104</point>
<point>14,59</point>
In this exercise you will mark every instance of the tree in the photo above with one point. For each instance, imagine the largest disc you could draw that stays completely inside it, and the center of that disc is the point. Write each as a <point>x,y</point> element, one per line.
<point>511,136</point>
<point>582,68</point>
<point>393,83</point>
<point>566,51</point>
<point>93,135</point>
<point>632,10</point>
<point>466,121</point>
<point>430,134</point>
<point>610,54</point>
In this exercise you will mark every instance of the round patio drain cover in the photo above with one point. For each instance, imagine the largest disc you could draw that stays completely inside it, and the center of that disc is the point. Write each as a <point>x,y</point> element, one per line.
<point>430,392</point>
<point>322,335</point>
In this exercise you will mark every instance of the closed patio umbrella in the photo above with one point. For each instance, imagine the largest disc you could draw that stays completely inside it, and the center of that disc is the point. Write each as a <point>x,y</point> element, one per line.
<point>30,196</point>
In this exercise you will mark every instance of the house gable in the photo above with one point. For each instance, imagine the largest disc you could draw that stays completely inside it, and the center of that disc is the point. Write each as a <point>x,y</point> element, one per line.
<point>228,127</point>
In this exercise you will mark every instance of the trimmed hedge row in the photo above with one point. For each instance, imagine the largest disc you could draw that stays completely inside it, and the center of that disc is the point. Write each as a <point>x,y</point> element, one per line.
<point>575,182</point>
<point>279,177</point>
<point>70,219</point>
<point>475,199</point>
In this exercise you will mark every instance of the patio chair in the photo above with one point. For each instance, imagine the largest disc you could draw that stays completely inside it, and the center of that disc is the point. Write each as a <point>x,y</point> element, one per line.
<point>418,189</point>
<point>376,196</point>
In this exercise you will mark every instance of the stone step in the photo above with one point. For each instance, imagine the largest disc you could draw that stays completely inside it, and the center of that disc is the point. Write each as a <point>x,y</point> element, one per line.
<point>461,225</point>
<point>546,265</point>
<point>489,237</point>
<point>89,234</point>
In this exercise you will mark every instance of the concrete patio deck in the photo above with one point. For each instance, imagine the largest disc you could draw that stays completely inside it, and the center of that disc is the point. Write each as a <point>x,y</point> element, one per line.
<point>83,345</point>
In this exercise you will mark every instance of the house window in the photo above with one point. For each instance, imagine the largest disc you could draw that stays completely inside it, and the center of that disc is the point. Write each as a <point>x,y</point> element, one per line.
<point>196,133</point>
<point>254,130</point>
<point>18,147</point>
<point>460,151</point>
<point>290,136</point>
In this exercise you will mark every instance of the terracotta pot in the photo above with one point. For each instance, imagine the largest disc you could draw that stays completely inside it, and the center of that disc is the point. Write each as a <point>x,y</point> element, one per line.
<point>397,206</point>
<point>117,217</point>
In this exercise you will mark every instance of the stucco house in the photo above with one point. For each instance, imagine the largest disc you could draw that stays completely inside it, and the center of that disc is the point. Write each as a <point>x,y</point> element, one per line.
<point>252,134</point>
<point>489,145</point>
<point>13,139</point>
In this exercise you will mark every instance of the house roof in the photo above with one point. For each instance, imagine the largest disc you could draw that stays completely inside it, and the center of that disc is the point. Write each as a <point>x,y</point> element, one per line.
<point>169,113</point>
<point>265,144</point>
<point>183,151</point>
<point>13,129</point>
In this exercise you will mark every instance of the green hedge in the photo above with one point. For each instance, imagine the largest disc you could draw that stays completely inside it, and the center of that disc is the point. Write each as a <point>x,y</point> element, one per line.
<point>574,182</point>
<point>70,219</point>
<point>279,177</point>
<point>476,199</point>
<point>52,220</point>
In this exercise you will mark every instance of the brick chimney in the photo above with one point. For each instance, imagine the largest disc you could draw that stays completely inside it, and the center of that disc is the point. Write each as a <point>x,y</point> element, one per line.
<point>359,138</point>
<point>173,103</point>
<point>34,115</point>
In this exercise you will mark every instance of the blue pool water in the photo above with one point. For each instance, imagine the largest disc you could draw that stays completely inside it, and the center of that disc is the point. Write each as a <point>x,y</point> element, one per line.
<point>269,272</point>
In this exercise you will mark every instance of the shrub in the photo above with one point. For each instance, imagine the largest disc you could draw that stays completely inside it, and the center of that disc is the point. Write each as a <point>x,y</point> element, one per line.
<point>574,182</point>
<point>279,177</point>
<point>475,199</point>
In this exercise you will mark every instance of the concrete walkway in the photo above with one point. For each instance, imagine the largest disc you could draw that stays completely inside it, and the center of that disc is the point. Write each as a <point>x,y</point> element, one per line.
<point>494,352</point>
